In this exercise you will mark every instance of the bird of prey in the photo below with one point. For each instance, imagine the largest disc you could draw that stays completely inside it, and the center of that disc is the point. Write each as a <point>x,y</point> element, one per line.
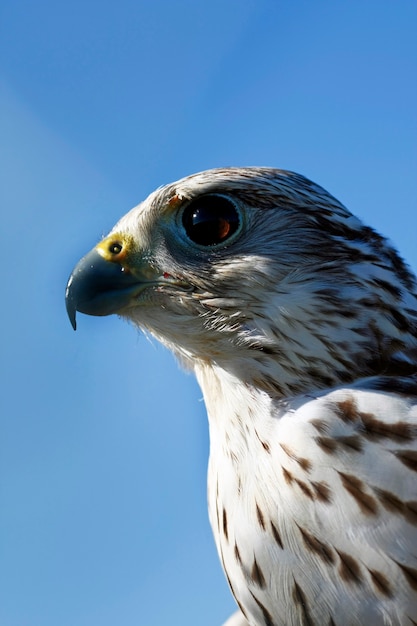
<point>300,323</point>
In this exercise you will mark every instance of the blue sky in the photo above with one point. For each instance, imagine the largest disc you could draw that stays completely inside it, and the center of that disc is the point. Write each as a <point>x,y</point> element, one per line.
<point>104,444</point>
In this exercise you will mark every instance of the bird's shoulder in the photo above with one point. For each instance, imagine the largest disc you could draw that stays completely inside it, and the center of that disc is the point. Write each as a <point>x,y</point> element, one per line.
<point>361,442</point>
<point>378,408</point>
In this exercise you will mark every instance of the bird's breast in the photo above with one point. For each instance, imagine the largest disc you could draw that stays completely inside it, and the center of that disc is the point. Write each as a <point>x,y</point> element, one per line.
<point>299,506</point>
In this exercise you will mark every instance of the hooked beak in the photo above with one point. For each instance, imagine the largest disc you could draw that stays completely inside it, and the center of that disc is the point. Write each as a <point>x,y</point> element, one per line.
<point>98,286</point>
<point>111,278</point>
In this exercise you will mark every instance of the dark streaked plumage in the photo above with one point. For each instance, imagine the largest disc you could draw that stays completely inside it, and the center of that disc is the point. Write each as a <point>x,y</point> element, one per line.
<point>300,323</point>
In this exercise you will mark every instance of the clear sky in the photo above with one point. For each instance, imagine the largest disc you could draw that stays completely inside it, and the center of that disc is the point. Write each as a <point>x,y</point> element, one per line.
<point>103,443</point>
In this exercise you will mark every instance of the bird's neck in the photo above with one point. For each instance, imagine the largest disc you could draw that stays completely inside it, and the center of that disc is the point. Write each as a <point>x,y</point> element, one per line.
<point>237,412</point>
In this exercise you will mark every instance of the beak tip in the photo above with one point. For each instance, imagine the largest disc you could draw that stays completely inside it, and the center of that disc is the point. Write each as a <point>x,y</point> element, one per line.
<point>69,303</point>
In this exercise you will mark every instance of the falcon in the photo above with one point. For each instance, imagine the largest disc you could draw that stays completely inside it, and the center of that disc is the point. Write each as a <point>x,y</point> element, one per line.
<point>300,323</point>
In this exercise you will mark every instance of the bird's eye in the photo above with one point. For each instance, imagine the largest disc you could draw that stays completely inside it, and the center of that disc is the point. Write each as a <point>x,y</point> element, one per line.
<point>210,220</point>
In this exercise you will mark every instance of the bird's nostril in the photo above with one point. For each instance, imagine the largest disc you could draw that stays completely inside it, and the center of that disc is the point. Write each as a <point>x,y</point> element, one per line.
<point>115,247</point>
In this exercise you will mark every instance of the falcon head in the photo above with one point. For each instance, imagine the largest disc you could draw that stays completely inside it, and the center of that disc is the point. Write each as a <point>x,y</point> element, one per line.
<point>259,272</point>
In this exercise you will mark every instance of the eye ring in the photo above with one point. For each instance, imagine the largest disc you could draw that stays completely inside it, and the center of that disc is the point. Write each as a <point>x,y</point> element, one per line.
<point>211,220</point>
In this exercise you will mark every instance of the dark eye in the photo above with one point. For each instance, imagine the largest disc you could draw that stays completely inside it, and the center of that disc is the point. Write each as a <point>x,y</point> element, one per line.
<point>210,220</point>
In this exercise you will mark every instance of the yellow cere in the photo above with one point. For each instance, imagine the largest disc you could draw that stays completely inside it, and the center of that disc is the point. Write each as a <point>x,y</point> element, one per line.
<point>116,247</point>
